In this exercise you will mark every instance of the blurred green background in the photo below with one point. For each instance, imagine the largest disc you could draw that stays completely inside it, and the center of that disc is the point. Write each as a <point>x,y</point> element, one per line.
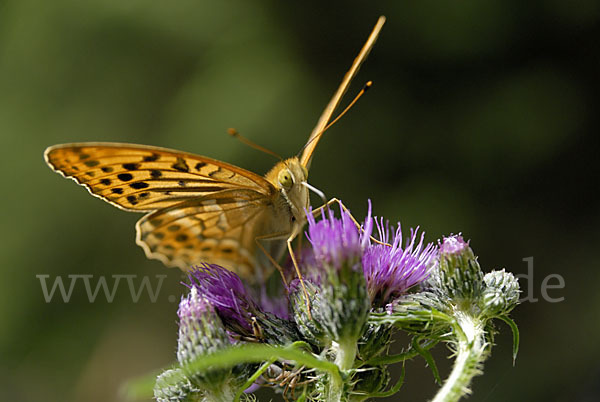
<point>482,119</point>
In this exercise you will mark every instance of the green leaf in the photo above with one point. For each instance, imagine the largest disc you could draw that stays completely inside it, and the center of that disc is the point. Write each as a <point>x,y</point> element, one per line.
<point>392,390</point>
<point>247,353</point>
<point>515,331</point>
<point>400,357</point>
<point>428,358</point>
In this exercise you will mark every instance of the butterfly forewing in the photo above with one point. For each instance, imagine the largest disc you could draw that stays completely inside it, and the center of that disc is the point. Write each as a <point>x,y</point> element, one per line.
<point>144,178</point>
<point>200,209</point>
<point>220,228</point>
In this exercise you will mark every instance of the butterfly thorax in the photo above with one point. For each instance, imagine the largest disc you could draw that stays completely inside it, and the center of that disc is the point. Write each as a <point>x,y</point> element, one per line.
<point>287,177</point>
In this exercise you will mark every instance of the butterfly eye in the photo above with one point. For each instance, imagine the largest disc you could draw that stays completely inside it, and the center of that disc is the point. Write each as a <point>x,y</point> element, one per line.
<point>285,179</point>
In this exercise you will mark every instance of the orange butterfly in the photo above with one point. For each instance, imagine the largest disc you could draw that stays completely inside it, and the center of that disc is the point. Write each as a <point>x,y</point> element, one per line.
<point>201,209</point>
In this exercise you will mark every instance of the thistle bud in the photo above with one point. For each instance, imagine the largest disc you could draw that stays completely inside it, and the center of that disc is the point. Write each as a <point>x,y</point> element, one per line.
<point>174,386</point>
<point>458,275</point>
<point>201,333</point>
<point>501,293</point>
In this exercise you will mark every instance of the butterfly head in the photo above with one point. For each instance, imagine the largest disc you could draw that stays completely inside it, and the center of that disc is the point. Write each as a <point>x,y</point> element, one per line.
<point>287,176</point>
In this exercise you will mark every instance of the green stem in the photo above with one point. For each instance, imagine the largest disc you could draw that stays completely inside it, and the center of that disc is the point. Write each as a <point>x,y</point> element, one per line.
<point>336,389</point>
<point>345,355</point>
<point>253,378</point>
<point>470,355</point>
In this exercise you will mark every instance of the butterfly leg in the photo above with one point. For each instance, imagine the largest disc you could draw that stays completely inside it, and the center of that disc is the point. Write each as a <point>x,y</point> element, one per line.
<point>341,204</point>
<point>272,236</point>
<point>278,235</point>
<point>291,251</point>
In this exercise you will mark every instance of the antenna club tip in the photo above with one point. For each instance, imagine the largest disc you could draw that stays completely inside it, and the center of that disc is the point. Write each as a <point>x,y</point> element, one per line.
<point>232,132</point>
<point>368,85</point>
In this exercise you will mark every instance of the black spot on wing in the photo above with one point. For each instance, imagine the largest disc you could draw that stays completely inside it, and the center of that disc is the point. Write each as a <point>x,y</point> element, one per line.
<point>180,165</point>
<point>215,172</point>
<point>199,165</point>
<point>139,185</point>
<point>125,176</point>
<point>117,190</point>
<point>132,199</point>
<point>106,169</point>
<point>105,182</point>
<point>151,158</point>
<point>91,163</point>
<point>155,174</point>
<point>131,166</point>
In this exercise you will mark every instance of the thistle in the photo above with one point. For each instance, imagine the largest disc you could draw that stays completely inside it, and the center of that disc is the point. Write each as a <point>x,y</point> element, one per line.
<point>363,284</point>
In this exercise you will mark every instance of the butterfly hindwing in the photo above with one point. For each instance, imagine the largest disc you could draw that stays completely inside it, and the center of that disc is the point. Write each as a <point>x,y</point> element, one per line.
<point>220,228</point>
<point>144,178</point>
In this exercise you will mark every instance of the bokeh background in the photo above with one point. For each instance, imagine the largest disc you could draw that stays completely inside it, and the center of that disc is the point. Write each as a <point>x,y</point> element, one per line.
<point>483,119</point>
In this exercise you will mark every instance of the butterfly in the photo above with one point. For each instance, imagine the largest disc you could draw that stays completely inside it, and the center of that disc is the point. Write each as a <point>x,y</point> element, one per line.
<point>199,209</point>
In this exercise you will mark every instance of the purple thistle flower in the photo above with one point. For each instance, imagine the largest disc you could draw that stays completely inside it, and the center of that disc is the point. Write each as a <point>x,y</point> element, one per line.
<point>240,313</point>
<point>453,244</point>
<point>225,291</point>
<point>391,270</point>
<point>334,241</point>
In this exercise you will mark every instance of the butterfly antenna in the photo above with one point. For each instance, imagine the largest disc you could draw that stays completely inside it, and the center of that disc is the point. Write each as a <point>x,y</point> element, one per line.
<point>234,133</point>
<point>316,137</point>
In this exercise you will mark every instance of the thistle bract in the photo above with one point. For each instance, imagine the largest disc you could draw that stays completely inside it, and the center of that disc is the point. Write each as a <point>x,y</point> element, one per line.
<point>307,315</point>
